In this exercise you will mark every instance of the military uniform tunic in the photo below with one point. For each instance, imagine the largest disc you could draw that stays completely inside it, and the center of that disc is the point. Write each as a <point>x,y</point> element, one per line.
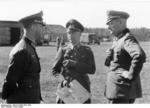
<point>23,78</point>
<point>127,55</point>
<point>84,64</point>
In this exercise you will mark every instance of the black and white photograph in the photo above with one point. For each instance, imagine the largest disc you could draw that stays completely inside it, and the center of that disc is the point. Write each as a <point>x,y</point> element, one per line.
<point>74,52</point>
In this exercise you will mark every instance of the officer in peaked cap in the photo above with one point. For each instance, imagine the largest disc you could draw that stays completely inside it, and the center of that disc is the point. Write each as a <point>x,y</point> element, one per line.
<point>74,25</point>
<point>36,18</point>
<point>112,14</point>
<point>125,60</point>
<point>22,82</point>
<point>74,61</point>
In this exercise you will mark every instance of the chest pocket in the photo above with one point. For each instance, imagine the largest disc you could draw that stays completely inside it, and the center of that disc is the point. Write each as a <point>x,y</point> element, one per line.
<point>81,55</point>
<point>75,54</point>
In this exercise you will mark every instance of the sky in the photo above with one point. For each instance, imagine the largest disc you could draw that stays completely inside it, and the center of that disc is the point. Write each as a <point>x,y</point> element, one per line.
<point>91,13</point>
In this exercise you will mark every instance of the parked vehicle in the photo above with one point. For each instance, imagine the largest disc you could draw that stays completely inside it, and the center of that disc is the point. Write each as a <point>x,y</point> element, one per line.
<point>90,38</point>
<point>94,39</point>
<point>85,38</point>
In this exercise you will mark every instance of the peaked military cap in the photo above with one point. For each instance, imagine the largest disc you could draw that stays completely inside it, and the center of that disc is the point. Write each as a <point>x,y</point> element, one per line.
<point>74,25</point>
<point>33,18</point>
<point>112,14</point>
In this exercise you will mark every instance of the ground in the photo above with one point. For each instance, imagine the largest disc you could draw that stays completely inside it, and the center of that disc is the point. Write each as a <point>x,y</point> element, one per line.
<point>49,83</point>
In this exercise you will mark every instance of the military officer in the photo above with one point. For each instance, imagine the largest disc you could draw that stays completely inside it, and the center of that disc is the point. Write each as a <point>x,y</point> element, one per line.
<point>125,61</point>
<point>74,61</point>
<point>22,83</point>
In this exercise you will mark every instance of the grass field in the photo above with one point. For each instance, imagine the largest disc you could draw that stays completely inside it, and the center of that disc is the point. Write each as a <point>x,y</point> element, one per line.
<point>49,83</point>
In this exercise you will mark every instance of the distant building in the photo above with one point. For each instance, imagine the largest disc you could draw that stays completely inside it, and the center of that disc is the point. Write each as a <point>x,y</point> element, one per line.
<point>10,32</point>
<point>51,32</point>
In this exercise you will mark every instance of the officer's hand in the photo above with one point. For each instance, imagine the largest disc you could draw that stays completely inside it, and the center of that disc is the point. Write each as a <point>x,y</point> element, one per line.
<point>109,52</point>
<point>126,75</point>
<point>69,63</point>
<point>64,83</point>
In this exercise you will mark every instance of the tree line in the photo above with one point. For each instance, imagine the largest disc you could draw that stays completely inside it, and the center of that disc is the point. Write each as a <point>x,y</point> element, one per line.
<point>142,34</point>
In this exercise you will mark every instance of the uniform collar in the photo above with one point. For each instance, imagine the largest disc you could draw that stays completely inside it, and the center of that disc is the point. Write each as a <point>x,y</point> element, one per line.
<point>30,42</point>
<point>122,33</point>
<point>74,46</point>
